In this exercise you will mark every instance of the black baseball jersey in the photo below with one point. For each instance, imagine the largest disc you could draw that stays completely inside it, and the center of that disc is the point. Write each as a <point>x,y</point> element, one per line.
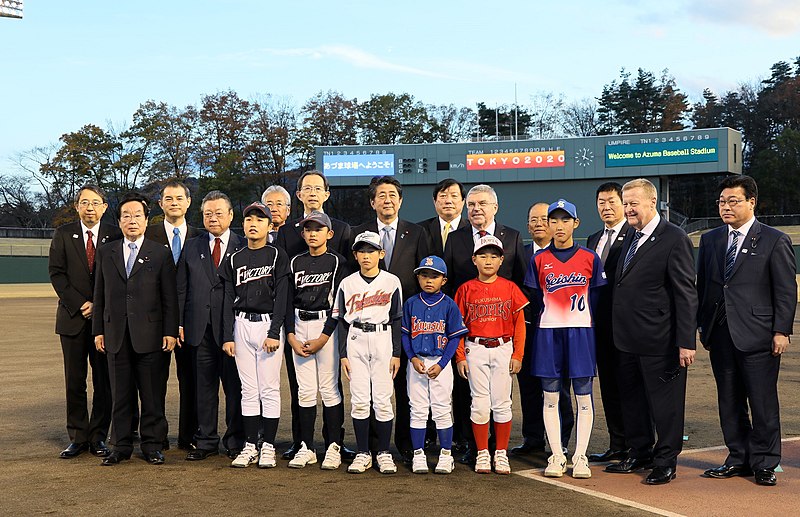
<point>256,280</point>
<point>312,283</point>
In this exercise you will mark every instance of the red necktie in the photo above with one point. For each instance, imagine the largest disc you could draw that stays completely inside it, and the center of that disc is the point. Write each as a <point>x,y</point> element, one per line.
<point>215,254</point>
<point>482,233</point>
<point>90,251</point>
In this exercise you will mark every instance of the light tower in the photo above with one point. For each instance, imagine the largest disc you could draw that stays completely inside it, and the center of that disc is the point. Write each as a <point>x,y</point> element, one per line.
<point>10,8</point>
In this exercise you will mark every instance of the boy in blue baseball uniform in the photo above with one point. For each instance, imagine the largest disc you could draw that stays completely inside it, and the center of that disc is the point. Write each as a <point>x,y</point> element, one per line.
<point>431,326</point>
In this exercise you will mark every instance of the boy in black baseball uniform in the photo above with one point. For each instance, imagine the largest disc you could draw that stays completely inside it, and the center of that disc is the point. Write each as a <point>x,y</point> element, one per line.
<point>315,276</point>
<point>254,309</point>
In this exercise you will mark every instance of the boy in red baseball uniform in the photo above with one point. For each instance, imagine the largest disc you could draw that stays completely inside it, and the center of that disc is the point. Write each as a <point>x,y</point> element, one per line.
<point>492,351</point>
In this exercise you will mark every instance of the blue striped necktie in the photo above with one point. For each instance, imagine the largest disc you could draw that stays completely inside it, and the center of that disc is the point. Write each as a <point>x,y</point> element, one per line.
<point>176,244</point>
<point>131,258</point>
<point>730,255</point>
<point>631,251</point>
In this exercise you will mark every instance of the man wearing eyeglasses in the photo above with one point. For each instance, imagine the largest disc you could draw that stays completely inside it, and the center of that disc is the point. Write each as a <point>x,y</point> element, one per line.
<point>279,202</point>
<point>71,266</point>
<point>482,207</point>
<point>747,295</point>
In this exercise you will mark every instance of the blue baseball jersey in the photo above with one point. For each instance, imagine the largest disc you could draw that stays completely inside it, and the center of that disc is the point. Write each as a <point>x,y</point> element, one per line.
<point>431,323</point>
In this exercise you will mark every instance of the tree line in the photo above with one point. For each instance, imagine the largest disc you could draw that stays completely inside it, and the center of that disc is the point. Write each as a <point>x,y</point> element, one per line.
<point>241,146</point>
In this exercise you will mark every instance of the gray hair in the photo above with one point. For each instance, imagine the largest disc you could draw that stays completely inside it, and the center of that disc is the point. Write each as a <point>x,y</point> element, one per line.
<point>215,195</point>
<point>281,190</point>
<point>644,184</point>
<point>482,188</point>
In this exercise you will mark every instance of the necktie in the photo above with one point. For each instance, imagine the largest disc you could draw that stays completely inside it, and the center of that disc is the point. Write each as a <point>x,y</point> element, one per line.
<point>131,258</point>
<point>631,251</point>
<point>388,244</point>
<point>176,244</point>
<point>90,251</point>
<point>482,233</point>
<point>607,245</point>
<point>215,254</point>
<point>730,256</point>
<point>445,233</point>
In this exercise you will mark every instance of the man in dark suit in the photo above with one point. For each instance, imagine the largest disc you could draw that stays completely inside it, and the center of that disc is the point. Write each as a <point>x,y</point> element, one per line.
<point>482,207</point>
<point>312,191</point>
<point>448,200</point>
<point>654,320</point>
<point>135,322</point>
<point>279,202</point>
<point>405,245</point>
<point>530,387</point>
<point>200,293</point>
<point>72,262</point>
<point>748,295</point>
<point>172,233</point>
<point>607,243</point>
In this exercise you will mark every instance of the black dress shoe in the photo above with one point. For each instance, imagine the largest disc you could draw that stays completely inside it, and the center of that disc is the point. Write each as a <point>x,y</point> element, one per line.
<point>233,453</point>
<point>165,445</point>
<point>289,454</point>
<point>186,446</point>
<point>347,453</point>
<point>73,450</point>
<point>609,455</point>
<point>114,457</point>
<point>154,458</point>
<point>728,471</point>
<point>660,476</point>
<point>629,465</point>
<point>526,447</point>
<point>200,454</point>
<point>468,458</point>
<point>460,447</point>
<point>765,477</point>
<point>408,456</point>
<point>99,449</point>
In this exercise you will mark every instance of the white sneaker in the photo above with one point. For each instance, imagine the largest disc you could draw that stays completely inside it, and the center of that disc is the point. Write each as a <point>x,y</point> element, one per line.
<point>446,463</point>
<point>248,456</point>
<point>580,467</point>
<point>483,462</point>
<point>333,457</point>
<point>386,463</point>
<point>304,456</point>
<point>266,458</point>
<point>361,463</point>
<point>556,466</point>
<point>501,465</point>
<point>419,464</point>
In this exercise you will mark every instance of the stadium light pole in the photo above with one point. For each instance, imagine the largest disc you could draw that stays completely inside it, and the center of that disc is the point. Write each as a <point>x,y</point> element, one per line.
<point>11,9</point>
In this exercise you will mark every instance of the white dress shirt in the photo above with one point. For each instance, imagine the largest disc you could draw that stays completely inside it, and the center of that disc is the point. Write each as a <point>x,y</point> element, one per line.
<point>94,230</point>
<point>170,234</point>
<point>743,231</point>
<point>605,237</point>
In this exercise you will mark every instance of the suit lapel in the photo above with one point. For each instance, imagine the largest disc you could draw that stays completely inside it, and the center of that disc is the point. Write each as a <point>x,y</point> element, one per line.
<point>80,247</point>
<point>118,257</point>
<point>619,239</point>
<point>750,241</point>
<point>142,257</point>
<point>205,258</point>
<point>650,243</point>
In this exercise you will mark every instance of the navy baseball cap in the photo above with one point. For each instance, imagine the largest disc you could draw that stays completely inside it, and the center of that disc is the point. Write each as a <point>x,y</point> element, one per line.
<point>433,263</point>
<point>316,217</point>
<point>563,204</point>
<point>259,207</point>
<point>368,238</point>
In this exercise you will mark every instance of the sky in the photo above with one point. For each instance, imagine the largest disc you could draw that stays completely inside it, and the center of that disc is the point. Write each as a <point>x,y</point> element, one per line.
<point>68,63</point>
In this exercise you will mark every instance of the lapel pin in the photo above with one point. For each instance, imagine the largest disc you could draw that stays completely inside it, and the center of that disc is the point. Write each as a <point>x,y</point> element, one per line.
<point>744,250</point>
<point>202,256</point>
<point>74,235</point>
<point>141,261</point>
<point>652,239</point>
<point>104,239</point>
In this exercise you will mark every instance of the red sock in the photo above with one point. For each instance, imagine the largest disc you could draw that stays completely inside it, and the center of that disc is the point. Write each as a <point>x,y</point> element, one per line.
<point>481,432</point>
<point>502,433</point>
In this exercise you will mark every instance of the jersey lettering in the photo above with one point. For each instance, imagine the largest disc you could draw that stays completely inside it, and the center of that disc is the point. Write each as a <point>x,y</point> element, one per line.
<point>245,275</point>
<point>360,301</point>
<point>488,308</point>
<point>553,283</point>
<point>419,327</point>
<point>301,279</point>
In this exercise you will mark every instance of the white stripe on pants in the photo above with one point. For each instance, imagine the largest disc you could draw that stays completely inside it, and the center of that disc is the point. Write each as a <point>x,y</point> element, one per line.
<point>318,372</point>
<point>436,394</point>
<point>370,354</point>
<point>259,370</point>
<point>489,382</point>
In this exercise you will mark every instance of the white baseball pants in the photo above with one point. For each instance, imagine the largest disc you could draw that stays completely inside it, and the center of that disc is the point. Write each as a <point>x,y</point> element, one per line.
<point>318,372</point>
<point>370,354</point>
<point>259,370</point>
<point>489,381</point>
<point>436,394</point>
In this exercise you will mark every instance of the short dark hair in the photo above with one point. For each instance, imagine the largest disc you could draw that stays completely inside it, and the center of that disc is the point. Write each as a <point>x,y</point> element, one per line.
<point>312,172</point>
<point>446,184</point>
<point>133,196</point>
<point>609,187</point>
<point>377,181</point>
<point>93,188</point>
<point>215,195</point>
<point>528,213</point>
<point>175,184</point>
<point>747,183</point>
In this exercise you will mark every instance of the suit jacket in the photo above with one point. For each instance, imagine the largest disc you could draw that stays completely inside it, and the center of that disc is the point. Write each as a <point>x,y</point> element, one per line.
<point>760,296</point>
<point>200,289</point>
<point>655,302</point>
<point>69,273</point>
<point>434,233</point>
<point>146,302</point>
<point>458,257</point>
<point>157,232</point>
<point>410,247</point>
<point>290,238</point>
<point>602,314</point>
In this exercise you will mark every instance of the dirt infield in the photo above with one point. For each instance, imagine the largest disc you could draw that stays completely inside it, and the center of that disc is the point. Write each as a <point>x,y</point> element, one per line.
<point>36,481</point>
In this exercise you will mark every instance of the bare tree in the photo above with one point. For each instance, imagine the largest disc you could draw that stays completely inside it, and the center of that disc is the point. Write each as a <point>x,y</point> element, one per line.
<point>579,118</point>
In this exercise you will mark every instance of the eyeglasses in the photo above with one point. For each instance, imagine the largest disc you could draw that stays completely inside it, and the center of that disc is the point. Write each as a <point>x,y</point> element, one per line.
<point>94,204</point>
<point>277,204</point>
<point>479,204</point>
<point>308,189</point>
<point>732,202</point>
<point>538,219</point>
<point>128,217</point>
<point>218,215</point>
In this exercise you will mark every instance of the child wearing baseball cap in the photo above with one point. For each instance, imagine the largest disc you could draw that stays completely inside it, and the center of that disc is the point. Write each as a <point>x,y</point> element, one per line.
<point>369,307</point>
<point>254,308</point>
<point>492,350</point>
<point>565,277</point>
<point>432,326</point>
